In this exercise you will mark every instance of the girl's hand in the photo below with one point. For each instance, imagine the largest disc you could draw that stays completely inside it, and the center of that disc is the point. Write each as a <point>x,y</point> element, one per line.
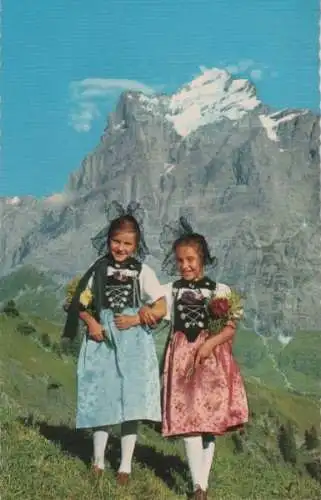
<point>147,316</point>
<point>123,322</point>
<point>204,352</point>
<point>96,331</point>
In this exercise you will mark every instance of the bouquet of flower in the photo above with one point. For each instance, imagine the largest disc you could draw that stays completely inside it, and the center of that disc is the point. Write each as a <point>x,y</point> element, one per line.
<point>222,309</point>
<point>85,297</point>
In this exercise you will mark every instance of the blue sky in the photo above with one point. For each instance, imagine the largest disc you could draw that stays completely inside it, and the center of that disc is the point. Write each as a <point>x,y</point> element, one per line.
<point>48,48</point>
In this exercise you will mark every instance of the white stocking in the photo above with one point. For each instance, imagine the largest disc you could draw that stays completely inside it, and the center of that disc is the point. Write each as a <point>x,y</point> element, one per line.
<point>100,442</point>
<point>194,453</point>
<point>128,442</point>
<point>208,455</point>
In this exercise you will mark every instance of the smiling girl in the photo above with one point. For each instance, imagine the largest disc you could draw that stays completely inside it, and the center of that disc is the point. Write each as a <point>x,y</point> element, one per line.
<point>212,400</point>
<point>118,374</point>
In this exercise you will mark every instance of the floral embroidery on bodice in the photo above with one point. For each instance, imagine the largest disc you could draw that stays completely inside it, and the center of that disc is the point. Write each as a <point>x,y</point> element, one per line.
<point>190,306</point>
<point>121,286</point>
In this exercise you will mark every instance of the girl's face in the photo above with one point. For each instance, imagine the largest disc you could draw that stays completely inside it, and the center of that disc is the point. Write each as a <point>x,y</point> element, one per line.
<point>189,262</point>
<point>122,245</point>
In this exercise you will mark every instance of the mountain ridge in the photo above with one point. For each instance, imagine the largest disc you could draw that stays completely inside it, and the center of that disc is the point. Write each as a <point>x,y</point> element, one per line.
<point>236,179</point>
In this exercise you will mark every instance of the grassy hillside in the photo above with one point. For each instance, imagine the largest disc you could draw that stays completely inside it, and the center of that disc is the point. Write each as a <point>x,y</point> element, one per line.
<point>296,365</point>
<point>34,292</point>
<point>43,457</point>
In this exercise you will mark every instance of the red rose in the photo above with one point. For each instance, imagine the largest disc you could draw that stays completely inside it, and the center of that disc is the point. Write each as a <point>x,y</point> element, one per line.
<point>219,307</point>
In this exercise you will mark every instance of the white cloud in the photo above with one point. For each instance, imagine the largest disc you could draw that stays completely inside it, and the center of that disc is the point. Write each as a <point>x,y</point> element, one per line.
<point>82,116</point>
<point>89,98</point>
<point>241,66</point>
<point>256,74</point>
<point>246,64</point>
<point>56,198</point>
<point>256,71</point>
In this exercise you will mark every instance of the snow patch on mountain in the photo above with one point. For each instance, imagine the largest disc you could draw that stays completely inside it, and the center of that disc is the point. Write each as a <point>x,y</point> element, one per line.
<point>271,122</point>
<point>269,125</point>
<point>15,201</point>
<point>156,105</point>
<point>211,97</point>
<point>284,339</point>
<point>168,167</point>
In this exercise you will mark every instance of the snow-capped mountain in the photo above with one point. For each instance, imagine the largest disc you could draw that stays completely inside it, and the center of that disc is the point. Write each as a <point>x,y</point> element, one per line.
<point>210,98</point>
<point>248,175</point>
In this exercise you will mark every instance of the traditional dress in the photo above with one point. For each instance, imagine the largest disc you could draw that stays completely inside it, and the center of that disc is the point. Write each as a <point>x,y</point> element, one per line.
<point>118,379</point>
<point>212,399</point>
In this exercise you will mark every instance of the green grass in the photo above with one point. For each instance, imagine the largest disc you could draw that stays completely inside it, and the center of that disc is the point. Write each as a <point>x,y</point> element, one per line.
<point>27,369</point>
<point>34,468</point>
<point>25,277</point>
<point>45,326</point>
<point>298,362</point>
<point>44,457</point>
<point>34,292</point>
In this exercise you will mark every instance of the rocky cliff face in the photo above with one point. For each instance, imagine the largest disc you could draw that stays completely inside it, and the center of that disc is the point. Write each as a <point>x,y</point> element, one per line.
<point>248,176</point>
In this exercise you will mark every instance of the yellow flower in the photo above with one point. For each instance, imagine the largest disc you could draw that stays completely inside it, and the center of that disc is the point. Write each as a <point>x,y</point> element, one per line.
<point>86,297</point>
<point>238,314</point>
<point>71,288</point>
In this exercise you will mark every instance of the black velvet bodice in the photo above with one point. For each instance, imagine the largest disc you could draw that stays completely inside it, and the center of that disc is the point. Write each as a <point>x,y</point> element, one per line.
<point>119,284</point>
<point>190,306</point>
